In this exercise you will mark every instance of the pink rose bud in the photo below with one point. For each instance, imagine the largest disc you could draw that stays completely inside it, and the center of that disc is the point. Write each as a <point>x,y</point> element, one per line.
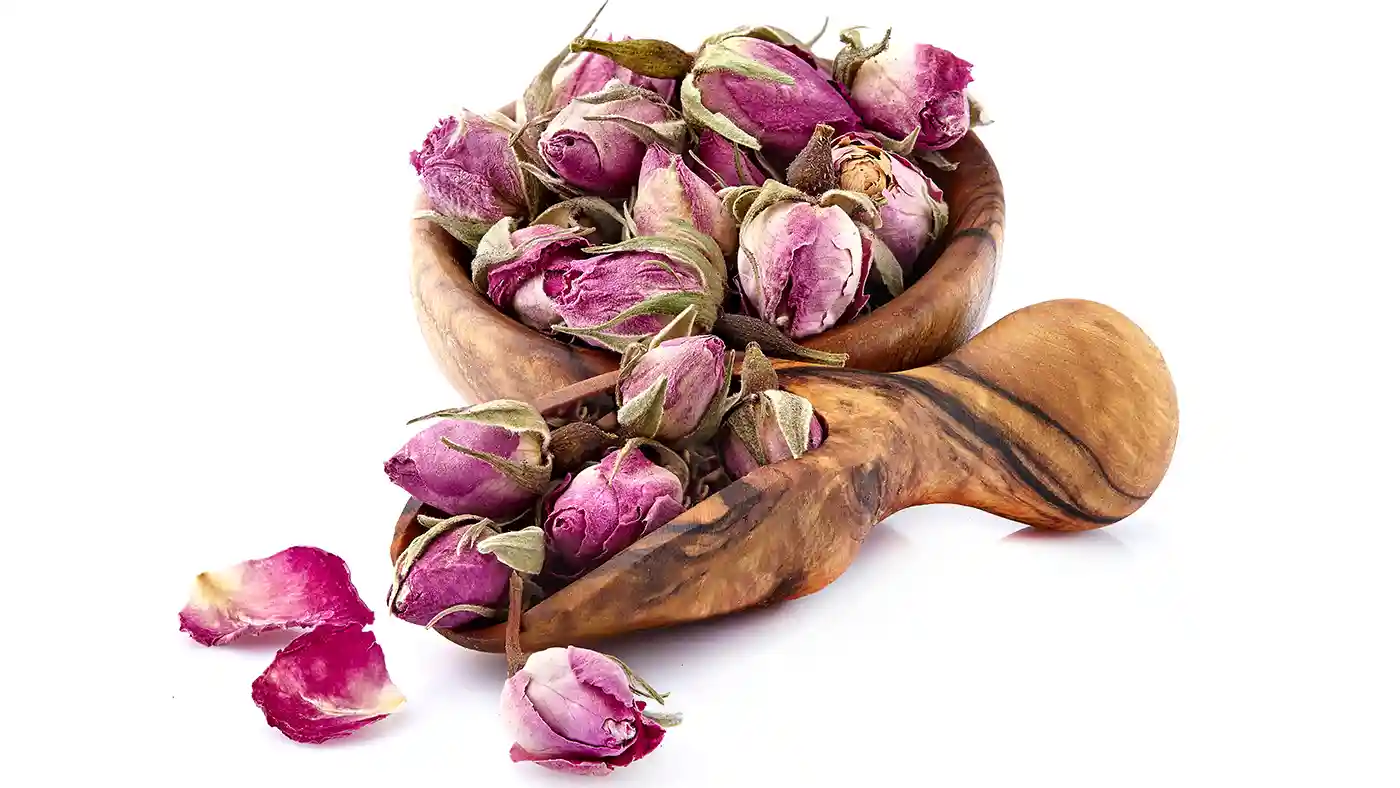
<point>608,506</point>
<point>590,72</point>
<point>469,171</point>
<point>669,391</point>
<point>602,156</point>
<point>731,163</point>
<point>669,191</point>
<point>802,266</point>
<point>757,93</point>
<point>328,683</point>
<point>298,587</point>
<point>488,460</point>
<point>572,710</point>
<point>517,282</point>
<point>770,426</point>
<point>912,211</point>
<point>915,88</point>
<point>442,580</point>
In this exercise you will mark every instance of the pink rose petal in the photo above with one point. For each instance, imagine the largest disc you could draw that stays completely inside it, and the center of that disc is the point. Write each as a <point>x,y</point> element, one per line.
<point>298,587</point>
<point>328,683</point>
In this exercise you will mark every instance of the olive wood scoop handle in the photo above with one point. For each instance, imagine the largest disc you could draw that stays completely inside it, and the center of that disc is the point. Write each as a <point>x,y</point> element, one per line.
<point>1061,415</point>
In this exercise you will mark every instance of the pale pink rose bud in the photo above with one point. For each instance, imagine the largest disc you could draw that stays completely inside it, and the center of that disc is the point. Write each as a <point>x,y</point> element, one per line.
<point>601,156</point>
<point>667,392</point>
<point>670,191</point>
<point>469,171</point>
<point>914,88</point>
<point>769,427</point>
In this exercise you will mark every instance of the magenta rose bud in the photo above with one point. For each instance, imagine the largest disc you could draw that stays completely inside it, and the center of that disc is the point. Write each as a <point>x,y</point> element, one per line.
<point>802,267</point>
<point>669,191</point>
<point>469,171</point>
<point>600,156</point>
<point>517,283</point>
<point>446,581</point>
<point>606,507</point>
<point>572,710</point>
<point>760,94</point>
<point>590,72</point>
<point>668,392</point>
<point>732,164</point>
<point>476,460</point>
<point>919,87</point>
<point>772,426</point>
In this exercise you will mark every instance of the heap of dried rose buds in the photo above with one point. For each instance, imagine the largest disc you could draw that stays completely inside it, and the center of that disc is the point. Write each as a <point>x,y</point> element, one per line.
<point>637,179</point>
<point>512,495</point>
<point>668,206</point>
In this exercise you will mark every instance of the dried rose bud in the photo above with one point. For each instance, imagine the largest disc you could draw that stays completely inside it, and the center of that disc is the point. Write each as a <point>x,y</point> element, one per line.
<point>328,683</point>
<point>603,156</point>
<point>298,587</point>
<point>915,90</point>
<point>590,72</point>
<point>489,460</point>
<point>469,171</point>
<point>768,427</point>
<point>669,191</point>
<point>572,710</point>
<point>731,163</point>
<point>673,389</point>
<point>803,262</point>
<point>912,211</point>
<point>513,270</point>
<point>608,506</point>
<point>760,94</point>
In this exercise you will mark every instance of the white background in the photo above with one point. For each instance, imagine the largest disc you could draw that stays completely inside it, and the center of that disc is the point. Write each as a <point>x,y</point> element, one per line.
<point>208,351</point>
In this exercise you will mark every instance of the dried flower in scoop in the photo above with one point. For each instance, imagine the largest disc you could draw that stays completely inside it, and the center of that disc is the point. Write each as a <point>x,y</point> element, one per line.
<point>298,587</point>
<point>731,163</point>
<point>911,91</point>
<point>673,387</point>
<point>489,460</point>
<point>509,268</point>
<point>803,261</point>
<point>597,141</point>
<point>759,94</point>
<point>572,710</point>
<point>328,683</point>
<point>768,427</point>
<point>622,293</point>
<point>590,72</point>
<point>458,570</point>
<point>669,191</point>
<point>608,506</point>
<point>912,211</point>
<point>470,174</point>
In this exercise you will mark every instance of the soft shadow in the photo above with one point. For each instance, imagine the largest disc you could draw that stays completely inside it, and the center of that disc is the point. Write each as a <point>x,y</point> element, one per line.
<point>1098,539</point>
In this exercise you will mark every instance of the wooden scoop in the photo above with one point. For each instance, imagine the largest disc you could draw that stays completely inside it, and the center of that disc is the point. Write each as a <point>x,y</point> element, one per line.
<point>1061,415</point>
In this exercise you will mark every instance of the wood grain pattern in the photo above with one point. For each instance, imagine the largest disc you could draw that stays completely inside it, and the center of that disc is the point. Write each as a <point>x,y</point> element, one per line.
<point>1062,416</point>
<point>488,355</point>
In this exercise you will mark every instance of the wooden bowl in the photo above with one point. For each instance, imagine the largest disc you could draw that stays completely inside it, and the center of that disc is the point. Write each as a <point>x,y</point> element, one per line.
<point>487,354</point>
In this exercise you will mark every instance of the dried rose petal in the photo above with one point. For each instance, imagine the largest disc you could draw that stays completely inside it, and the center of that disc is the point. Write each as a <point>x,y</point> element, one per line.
<point>298,587</point>
<point>328,683</point>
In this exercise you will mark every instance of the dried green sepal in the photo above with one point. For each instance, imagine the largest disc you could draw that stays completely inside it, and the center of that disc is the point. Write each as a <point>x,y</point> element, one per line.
<point>659,453</point>
<point>773,35</point>
<point>521,550</point>
<point>740,330</point>
<point>670,134</point>
<point>550,181</point>
<point>683,326</point>
<point>587,214</point>
<point>661,304</point>
<point>648,57</point>
<point>849,60</point>
<point>737,199</point>
<point>464,230</point>
<point>904,147</point>
<point>884,262</point>
<point>978,113</point>
<point>509,414</point>
<point>812,171</point>
<point>530,476</point>
<point>937,159</point>
<point>699,115</point>
<point>641,416</point>
<point>757,373</point>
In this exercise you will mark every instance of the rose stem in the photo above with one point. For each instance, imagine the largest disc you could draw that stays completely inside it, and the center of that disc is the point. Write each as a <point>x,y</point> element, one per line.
<point>515,658</point>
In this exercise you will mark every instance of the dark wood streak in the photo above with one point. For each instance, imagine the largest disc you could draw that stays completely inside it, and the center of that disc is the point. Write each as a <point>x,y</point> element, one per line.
<point>1013,438</point>
<point>961,370</point>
